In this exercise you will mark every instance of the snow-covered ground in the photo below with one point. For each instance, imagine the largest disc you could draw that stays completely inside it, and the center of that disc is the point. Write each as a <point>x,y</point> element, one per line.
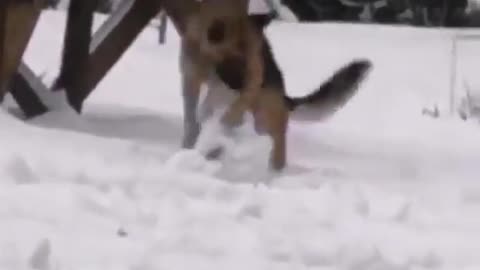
<point>377,187</point>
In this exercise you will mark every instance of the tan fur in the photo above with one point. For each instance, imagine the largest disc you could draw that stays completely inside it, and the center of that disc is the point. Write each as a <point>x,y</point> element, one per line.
<point>245,42</point>
<point>272,114</point>
<point>241,40</point>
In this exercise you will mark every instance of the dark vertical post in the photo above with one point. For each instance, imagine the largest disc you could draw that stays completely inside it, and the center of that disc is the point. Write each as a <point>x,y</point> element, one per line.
<point>75,56</point>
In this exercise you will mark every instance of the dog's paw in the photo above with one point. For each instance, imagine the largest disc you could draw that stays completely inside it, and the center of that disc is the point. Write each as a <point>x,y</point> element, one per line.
<point>213,139</point>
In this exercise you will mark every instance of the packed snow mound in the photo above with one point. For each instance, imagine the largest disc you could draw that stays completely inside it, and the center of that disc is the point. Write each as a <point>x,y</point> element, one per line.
<point>378,186</point>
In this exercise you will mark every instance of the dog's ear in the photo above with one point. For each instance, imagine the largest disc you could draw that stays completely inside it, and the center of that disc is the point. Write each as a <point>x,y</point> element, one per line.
<point>261,20</point>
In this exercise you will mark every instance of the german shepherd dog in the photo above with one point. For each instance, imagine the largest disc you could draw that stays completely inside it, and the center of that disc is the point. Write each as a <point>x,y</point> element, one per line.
<point>237,75</point>
<point>216,31</point>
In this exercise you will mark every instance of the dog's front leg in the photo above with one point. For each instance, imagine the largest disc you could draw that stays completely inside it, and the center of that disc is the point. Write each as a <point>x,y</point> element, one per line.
<point>190,93</point>
<point>191,83</point>
<point>253,84</point>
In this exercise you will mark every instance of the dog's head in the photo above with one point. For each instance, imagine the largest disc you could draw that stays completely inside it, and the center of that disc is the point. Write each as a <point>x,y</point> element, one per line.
<point>219,31</point>
<point>232,70</point>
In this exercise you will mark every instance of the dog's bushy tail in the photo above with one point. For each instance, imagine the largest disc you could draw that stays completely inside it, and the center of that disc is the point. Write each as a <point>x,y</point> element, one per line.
<point>331,95</point>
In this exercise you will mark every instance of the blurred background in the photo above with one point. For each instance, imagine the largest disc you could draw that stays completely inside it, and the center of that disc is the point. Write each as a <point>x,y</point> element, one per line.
<point>426,13</point>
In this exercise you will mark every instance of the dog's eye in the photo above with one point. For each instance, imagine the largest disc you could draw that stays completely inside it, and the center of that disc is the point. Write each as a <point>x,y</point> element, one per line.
<point>216,32</point>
